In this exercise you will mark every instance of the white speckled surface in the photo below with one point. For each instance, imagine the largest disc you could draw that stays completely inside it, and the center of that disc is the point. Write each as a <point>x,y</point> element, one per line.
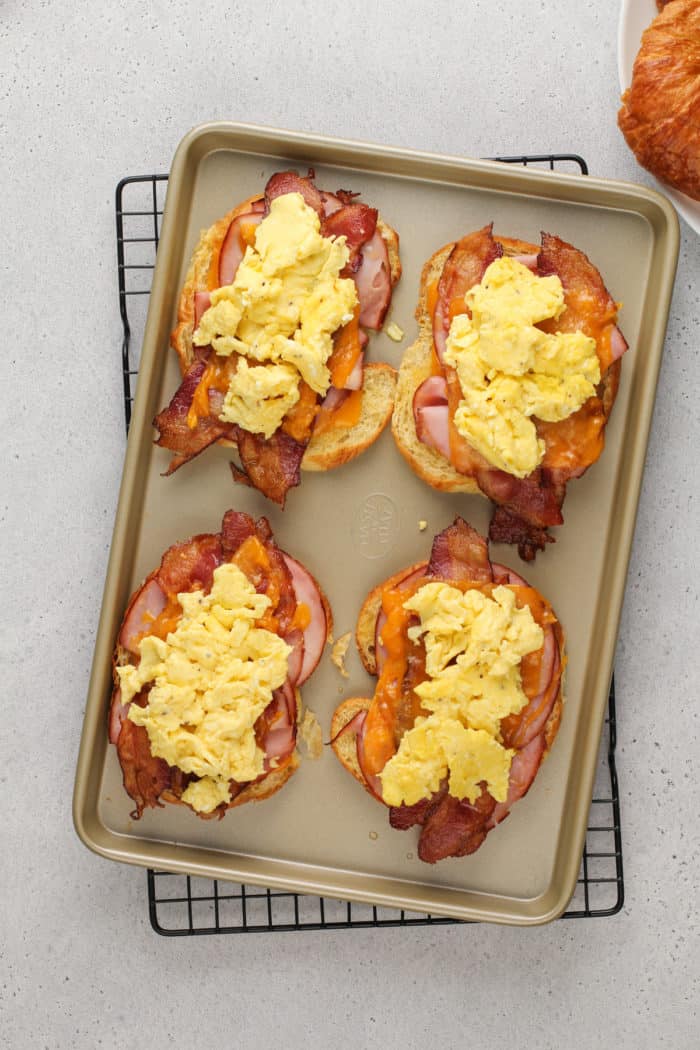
<point>91,92</point>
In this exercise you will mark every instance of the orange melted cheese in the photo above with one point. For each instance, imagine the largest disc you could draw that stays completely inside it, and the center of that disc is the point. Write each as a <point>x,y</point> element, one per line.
<point>346,350</point>
<point>345,415</point>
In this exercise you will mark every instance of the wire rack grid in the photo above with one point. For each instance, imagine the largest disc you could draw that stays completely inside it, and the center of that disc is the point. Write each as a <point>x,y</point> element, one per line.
<point>184,905</point>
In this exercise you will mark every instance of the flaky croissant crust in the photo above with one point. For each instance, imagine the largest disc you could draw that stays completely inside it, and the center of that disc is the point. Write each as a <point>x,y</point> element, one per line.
<point>660,113</point>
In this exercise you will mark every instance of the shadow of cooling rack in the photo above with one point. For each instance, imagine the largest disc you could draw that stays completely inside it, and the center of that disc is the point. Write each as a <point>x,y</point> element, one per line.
<point>184,905</point>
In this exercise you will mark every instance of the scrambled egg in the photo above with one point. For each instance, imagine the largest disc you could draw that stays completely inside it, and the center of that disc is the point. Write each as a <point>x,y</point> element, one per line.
<point>474,645</point>
<point>212,677</point>
<point>509,370</point>
<point>286,301</point>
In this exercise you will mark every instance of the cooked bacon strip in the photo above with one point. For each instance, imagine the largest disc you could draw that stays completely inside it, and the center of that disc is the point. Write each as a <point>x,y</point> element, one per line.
<point>190,565</point>
<point>455,827</point>
<point>291,182</point>
<point>357,223</point>
<point>403,817</point>
<point>171,423</point>
<point>506,527</point>
<point>589,304</point>
<point>235,528</point>
<point>145,777</point>
<point>273,464</point>
<point>459,553</point>
<point>536,498</point>
<point>465,266</point>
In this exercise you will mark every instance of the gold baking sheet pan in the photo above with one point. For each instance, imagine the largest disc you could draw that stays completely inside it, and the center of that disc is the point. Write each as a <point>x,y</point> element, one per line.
<point>355,526</point>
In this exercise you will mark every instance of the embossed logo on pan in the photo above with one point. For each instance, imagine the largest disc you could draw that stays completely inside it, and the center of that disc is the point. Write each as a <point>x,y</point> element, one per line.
<point>376,526</point>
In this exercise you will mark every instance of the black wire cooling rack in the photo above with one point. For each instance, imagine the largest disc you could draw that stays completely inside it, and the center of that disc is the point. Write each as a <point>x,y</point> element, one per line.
<point>184,905</point>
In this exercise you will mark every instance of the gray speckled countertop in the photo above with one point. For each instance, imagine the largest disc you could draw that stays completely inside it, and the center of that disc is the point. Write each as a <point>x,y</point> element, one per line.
<point>91,92</point>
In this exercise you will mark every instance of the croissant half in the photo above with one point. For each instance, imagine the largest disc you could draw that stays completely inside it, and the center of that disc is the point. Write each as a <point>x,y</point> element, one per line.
<point>660,113</point>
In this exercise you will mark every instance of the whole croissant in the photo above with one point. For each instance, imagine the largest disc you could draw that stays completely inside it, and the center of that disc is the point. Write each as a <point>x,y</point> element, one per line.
<point>660,113</point>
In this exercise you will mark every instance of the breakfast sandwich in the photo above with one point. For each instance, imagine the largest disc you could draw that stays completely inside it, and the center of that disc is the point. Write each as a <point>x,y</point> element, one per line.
<point>209,659</point>
<point>510,384</point>
<point>271,335</point>
<point>469,661</point>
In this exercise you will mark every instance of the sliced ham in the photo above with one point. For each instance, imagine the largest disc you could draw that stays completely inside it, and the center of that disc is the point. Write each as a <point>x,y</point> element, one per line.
<point>433,428</point>
<point>374,783</point>
<point>331,203</point>
<point>296,657</point>
<point>279,737</point>
<point>522,773</point>
<point>502,574</point>
<point>618,344</point>
<point>519,730</point>
<point>147,604</point>
<point>353,726</point>
<point>431,414</point>
<point>373,282</point>
<point>202,302</point>
<point>529,260</point>
<point>354,380</point>
<point>233,247</point>
<point>334,399</point>
<point>117,713</point>
<point>316,633</point>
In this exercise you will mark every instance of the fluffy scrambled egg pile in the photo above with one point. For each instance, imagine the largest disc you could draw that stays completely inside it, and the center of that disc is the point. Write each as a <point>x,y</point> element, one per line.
<point>509,370</point>
<point>281,311</point>
<point>212,677</point>
<point>474,645</point>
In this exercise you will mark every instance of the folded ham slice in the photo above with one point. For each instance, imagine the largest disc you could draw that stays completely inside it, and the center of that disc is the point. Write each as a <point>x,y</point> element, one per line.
<point>315,635</point>
<point>431,414</point>
<point>233,248</point>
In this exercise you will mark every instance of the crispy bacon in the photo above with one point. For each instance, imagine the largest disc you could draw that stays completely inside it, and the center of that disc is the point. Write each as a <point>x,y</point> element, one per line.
<point>403,817</point>
<point>291,182</point>
<point>589,305</point>
<point>459,553</point>
<point>507,527</point>
<point>455,828</point>
<point>190,565</point>
<point>171,423</point>
<point>235,528</point>
<point>273,464</point>
<point>145,777</point>
<point>465,266</point>
<point>357,223</point>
